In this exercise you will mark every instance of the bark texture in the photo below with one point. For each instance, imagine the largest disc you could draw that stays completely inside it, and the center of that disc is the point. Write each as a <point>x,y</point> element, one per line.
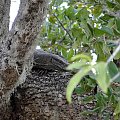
<point>42,97</point>
<point>4,18</point>
<point>17,47</point>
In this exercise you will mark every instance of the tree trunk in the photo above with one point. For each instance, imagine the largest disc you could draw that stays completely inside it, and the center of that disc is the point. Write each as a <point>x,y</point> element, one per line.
<point>42,97</point>
<point>16,45</point>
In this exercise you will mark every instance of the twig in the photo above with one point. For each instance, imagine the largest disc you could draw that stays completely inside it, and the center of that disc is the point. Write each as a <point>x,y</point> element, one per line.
<point>63,27</point>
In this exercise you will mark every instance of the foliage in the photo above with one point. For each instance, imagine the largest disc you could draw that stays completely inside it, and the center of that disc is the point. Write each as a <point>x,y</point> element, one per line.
<point>80,31</point>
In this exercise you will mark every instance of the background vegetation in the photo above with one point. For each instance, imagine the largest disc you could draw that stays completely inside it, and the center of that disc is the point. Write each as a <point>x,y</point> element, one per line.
<point>86,33</point>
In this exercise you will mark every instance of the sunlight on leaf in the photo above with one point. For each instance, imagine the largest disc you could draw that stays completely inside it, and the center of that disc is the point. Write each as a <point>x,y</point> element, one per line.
<point>113,70</point>
<point>102,77</point>
<point>76,65</point>
<point>81,56</point>
<point>75,81</point>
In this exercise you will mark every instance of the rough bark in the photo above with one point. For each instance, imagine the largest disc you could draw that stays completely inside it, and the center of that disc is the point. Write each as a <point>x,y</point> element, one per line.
<point>4,26</point>
<point>4,18</point>
<point>42,97</point>
<point>18,45</point>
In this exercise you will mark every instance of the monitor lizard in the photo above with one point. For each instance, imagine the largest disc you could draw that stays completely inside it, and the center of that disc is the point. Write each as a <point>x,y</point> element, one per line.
<point>49,61</point>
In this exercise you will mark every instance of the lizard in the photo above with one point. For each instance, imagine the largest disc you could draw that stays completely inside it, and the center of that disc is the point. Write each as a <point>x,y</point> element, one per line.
<point>49,61</point>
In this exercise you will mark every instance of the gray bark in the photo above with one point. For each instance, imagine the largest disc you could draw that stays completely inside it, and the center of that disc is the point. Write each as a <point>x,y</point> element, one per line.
<point>42,97</point>
<point>4,18</point>
<point>16,45</point>
<point>4,25</point>
<point>19,44</point>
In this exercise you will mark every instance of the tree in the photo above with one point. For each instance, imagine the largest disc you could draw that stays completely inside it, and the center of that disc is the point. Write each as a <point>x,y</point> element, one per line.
<point>16,45</point>
<point>76,31</point>
<point>20,90</point>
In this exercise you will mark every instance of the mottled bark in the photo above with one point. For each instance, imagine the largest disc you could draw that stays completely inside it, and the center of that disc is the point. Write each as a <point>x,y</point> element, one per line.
<point>19,43</point>
<point>4,18</point>
<point>42,97</point>
<point>4,25</point>
<point>16,45</point>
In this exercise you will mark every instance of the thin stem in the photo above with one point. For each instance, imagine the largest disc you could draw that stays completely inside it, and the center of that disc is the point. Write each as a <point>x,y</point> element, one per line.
<point>63,27</point>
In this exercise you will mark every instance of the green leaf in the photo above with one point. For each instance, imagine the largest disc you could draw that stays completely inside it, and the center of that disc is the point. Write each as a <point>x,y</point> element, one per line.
<point>97,10</point>
<point>110,4</point>
<point>87,99</point>
<point>81,56</point>
<point>118,24</point>
<point>70,13</point>
<point>117,56</point>
<point>77,32</point>
<point>86,28</point>
<point>74,81</point>
<point>75,45</point>
<point>111,23</point>
<point>98,32</point>
<point>79,90</point>
<point>116,32</point>
<point>82,14</point>
<point>101,101</point>
<point>52,19</point>
<point>76,65</point>
<point>70,54</point>
<point>64,53</point>
<point>118,1</point>
<point>88,112</point>
<point>101,76</point>
<point>117,109</point>
<point>90,28</point>
<point>102,31</point>
<point>91,1</point>
<point>58,2</point>
<point>107,30</point>
<point>113,70</point>
<point>106,17</point>
<point>99,51</point>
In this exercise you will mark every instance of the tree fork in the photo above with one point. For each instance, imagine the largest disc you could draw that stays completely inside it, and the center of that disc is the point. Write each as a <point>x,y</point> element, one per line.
<point>18,45</point>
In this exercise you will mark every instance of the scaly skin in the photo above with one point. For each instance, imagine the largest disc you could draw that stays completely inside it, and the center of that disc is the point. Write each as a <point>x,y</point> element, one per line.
<point>49,61</point>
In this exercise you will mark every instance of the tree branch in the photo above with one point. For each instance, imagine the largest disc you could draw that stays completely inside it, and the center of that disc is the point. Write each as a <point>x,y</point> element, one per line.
<point>4,18</point>
<point>19,44</point>
<point>63,27</point>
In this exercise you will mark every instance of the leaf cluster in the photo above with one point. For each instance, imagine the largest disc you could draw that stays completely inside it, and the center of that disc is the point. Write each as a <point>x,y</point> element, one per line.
<point>86,33</point>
